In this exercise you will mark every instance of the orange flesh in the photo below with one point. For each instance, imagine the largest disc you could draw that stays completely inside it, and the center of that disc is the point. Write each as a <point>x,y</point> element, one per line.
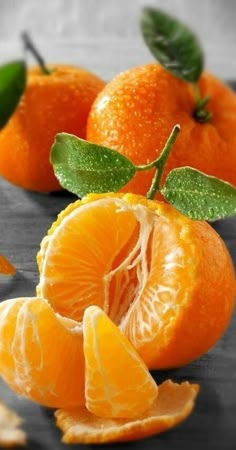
<point>117,382</point>
<point>133,266</point>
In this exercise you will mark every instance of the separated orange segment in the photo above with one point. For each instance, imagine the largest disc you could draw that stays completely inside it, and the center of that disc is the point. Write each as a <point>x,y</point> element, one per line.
<point>117,382</point>
<point>167,281</point>
<point>41,353</point>
<point>172,405</point>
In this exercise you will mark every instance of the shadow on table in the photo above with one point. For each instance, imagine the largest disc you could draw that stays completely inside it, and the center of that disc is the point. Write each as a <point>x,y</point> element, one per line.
<point>51,203</point>
<point>17,285</point>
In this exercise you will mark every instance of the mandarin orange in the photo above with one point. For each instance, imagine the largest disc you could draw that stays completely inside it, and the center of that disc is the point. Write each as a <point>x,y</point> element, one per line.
<point>135,112</point>
<point>167,281</point>
<point>51,103</point>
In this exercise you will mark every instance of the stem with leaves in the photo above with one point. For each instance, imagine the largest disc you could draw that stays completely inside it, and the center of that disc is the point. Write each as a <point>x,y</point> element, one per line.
<point>178,50</point>
<point>82,167</point>
<point>159,163</point>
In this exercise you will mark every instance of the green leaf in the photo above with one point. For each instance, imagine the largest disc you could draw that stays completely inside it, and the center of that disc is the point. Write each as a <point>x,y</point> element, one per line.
<point>199,196</point>
<point>82,167</point>
<point>172,44</point>
<point>12,86</point>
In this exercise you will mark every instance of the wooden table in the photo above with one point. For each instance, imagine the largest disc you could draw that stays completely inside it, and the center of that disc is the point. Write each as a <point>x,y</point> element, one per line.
<point>24,219</point>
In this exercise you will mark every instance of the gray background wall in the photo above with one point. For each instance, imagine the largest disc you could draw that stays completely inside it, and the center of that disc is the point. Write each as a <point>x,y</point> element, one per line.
<point>104,36</point>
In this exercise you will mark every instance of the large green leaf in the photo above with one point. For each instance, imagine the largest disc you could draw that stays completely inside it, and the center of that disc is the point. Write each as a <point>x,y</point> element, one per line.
<point>82,167</point>
<point>172,44</point>
<point>199,196</point>
<point>12,86</point>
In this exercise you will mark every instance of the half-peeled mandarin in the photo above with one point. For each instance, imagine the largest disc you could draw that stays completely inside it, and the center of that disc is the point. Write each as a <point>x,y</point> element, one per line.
<point>168,282</point>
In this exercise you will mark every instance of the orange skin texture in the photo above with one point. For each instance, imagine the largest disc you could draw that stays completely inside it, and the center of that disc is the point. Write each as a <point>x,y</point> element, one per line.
<point>137,110</point>
<point>207,313</point>
<point>51,104</point>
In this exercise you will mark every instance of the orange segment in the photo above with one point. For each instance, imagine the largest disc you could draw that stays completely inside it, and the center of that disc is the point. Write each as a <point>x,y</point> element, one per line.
<point>166,281</point>
<point>6,268</point>
<point>41,353</point>
<point>117,382</point>
<point>173,404</point>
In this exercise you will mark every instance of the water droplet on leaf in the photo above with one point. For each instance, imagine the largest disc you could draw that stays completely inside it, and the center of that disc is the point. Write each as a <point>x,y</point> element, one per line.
<point>211,212</point>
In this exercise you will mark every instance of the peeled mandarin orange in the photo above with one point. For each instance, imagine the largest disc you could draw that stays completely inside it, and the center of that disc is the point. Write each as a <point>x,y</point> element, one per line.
<point>117,382</point>
<point>167,281</point>
<point>41,353</point>
<point>51,103</point>
<point>172,405</point>
<point>135,112</point>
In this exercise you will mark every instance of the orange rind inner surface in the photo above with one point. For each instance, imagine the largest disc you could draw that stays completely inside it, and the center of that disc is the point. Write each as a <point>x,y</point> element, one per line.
<point>173,404</point>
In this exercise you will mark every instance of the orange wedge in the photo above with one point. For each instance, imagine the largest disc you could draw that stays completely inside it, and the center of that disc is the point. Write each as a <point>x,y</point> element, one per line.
<point>41,353</point>
<point>117,382</point>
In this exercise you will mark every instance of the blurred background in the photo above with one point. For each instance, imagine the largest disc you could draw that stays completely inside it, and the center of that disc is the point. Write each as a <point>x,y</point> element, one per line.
<point>103,35</point>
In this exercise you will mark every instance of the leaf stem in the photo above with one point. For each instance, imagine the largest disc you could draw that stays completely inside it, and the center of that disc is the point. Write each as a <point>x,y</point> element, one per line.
<point>196,93</point>
<point>31,47</point>
<point>159,163</point>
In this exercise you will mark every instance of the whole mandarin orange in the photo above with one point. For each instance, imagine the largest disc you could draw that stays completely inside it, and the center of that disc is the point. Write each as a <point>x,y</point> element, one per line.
<point>51,103</point>
<point>136,111</point>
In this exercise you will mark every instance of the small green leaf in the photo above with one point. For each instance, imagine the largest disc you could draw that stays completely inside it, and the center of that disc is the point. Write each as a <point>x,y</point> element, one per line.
<point>172,44</point>
<point>82,167</point>
<point>199,196</point>
<point>12,86</point>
